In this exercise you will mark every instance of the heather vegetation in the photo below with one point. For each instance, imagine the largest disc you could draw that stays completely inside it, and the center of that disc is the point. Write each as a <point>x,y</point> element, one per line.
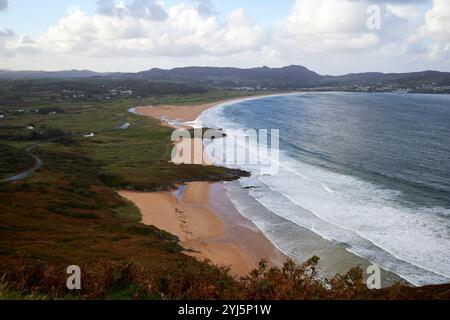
<point>13,160</point>
<point>188,279</point>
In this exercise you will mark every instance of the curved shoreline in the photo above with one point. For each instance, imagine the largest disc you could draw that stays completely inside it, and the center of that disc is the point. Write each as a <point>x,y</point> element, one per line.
<point>223,235</point>
<point>186,116</point>
<point>208,226</point>
<point>389,276</point>
<point>239,100</point>
<point>335,258</point>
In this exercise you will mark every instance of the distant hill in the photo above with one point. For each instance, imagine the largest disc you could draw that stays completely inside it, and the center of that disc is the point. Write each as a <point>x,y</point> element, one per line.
<point>286,78</point>
<point>290,74</point>
<point>377,77</point>
<point>287,74</point>
<point>66,74</point>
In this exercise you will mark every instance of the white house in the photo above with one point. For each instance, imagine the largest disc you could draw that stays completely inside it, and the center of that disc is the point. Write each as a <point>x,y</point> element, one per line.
<point>89,135</point>
<point>30,127</point>
<point>125,126</point>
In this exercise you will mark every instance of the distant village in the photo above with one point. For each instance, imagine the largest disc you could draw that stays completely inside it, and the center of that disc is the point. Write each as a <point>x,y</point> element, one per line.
<point>112,94</point>
<point>394,88</point>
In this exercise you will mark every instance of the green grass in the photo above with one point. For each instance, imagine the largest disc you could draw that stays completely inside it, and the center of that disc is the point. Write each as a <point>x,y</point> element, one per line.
<point>7,294</point>
<point>127,211</point>
<point>137,158</point>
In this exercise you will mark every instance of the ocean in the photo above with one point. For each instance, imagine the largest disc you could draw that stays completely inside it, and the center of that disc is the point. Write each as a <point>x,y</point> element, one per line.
<point>370,171</point>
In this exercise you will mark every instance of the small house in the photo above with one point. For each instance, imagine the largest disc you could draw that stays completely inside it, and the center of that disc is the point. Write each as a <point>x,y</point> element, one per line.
<point>89,135</point>
<point>125,126</point>
<point>30,127</point>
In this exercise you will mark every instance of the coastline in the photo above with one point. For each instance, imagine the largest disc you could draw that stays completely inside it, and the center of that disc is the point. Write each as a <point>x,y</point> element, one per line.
<point>219,247</point>
<point>206,230</point>
<point>185,116</point>
<point>175,115</point>
<point>200,214</point>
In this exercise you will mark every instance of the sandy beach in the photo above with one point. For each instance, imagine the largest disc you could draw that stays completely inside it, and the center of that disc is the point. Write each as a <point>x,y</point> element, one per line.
<point>210,227</point>
<point>184,113</point>
<point>206,222</point>
<point>180,113</point>
<point>204,232</point>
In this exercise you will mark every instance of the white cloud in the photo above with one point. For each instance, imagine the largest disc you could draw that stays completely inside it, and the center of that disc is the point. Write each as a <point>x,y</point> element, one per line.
<point>144,9</point>
<point>321,34</point>
<point>120,30</point>
<point>6,33</point>
<point>328,25</point>
<point>407,12</point>
<point>204,7</point>
<point>437,25</point>
<point>6,36</point>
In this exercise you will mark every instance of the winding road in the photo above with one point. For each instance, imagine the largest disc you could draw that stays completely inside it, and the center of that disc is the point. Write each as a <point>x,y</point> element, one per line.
<point>25,174</point>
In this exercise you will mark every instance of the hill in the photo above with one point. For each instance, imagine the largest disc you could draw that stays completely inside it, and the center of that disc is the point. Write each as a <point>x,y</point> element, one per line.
<point>65,74</point>
<point>294,77</point>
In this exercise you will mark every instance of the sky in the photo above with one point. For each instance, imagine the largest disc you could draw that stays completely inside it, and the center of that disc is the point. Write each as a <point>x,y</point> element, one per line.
<point>327,36</point>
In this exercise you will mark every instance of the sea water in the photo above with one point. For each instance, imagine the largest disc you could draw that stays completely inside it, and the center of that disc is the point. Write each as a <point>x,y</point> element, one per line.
<point>368,170</point>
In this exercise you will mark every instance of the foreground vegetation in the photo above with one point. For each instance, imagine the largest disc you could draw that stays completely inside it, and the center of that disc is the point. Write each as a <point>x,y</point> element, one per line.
<point>188,279</point>
<point>68,213</point>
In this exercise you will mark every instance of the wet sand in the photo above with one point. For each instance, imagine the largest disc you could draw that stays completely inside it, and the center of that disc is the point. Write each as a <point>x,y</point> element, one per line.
<point>206,229</point>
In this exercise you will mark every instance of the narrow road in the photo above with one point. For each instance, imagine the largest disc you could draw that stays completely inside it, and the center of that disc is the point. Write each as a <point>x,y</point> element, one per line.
<point>25,174</point>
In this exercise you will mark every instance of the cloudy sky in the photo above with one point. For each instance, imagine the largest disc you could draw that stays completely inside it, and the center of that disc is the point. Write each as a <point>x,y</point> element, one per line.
<point>328,36</point>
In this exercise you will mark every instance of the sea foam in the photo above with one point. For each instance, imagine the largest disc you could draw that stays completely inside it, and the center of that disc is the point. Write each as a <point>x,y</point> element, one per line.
<point>369,220</point>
